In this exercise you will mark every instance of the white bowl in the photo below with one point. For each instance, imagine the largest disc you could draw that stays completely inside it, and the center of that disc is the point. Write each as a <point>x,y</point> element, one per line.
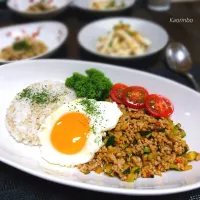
<point>52,33</point>
<point>20,6</point>
<point>15,76</point>
<point>90,33</point>
<point>84,5</point>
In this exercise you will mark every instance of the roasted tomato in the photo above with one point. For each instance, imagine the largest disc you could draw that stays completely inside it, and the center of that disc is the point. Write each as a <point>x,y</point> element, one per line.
<point>117,91</point>
<point>159,106</point>
<point>134,96</point>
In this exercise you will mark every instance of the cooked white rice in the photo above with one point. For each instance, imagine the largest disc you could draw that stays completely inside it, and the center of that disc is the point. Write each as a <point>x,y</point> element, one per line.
<point>24,117</point>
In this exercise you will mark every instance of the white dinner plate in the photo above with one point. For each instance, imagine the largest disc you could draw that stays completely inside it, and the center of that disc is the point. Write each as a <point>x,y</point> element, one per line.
<point>52,33</point>
<point>90,33</point>
<point>20,6</point>
<point>15,76</point>
<point>85,5</point>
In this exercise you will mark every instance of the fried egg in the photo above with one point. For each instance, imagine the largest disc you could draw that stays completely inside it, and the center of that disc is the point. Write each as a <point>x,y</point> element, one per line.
<point>73,133</point>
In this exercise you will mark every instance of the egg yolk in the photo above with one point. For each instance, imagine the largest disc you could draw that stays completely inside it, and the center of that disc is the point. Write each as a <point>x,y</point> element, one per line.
<point>69,133</point>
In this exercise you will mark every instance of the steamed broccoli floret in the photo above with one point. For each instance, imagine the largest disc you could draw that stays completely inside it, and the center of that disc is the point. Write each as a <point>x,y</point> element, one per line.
<point>93,86</point>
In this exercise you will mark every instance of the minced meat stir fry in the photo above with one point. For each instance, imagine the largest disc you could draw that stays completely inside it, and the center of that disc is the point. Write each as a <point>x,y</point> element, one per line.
<point>141,145</point>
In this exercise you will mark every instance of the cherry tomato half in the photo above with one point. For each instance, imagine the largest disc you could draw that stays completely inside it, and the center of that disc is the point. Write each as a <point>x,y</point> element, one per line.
<point>117,91</point>
<point>134,96</point>
<point>159,106</point>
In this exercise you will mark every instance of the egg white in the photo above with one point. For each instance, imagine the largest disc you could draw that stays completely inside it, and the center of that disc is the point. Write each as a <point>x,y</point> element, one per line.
<point>106,119</point>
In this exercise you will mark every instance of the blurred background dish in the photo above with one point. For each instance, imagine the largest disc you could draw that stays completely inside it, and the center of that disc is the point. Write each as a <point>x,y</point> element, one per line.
<point>123,38</point>
<point>103,6</point>
<point>38,8</point>
<point>31,40</point>
<point>160,6</point>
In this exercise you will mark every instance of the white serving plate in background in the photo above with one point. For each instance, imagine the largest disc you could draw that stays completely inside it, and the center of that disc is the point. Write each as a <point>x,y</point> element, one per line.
<point>90,33</point>
<point>20,6</point>
<point>15,76</point>
<point>52,33</point>
<point>84,5</point>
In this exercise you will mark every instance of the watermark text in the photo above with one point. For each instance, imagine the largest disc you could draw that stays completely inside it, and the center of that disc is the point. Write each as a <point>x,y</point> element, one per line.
<point>181,20</point>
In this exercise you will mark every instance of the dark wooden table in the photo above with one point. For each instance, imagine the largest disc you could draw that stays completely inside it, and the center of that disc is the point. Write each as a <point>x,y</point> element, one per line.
<point>16,185</point>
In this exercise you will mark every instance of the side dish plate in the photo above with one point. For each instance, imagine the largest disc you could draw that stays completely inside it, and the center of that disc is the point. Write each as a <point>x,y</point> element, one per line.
<point>20,7</point>
<point>53,34</point>
<point>85,5</point>
<point>89,35</point>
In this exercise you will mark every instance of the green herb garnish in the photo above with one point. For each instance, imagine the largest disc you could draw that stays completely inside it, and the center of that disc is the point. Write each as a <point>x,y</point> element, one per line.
<point>94,130</point>
<point>93,86</point>
<point>42,97</point>
<point>21,45</point>
<point>89,106</point>
<point>26,93</point>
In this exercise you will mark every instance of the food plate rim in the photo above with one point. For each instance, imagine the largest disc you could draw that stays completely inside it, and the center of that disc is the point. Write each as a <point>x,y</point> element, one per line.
<point>81,185</point>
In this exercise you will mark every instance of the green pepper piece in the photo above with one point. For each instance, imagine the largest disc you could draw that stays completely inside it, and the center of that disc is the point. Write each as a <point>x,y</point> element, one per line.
<point>110,141</point>
<point>184,152</point>
<point>162,130</point>
<point>134,141</point>
<point>127,171</point>
<point>152,176</point>
<point>145,133</point>
<point>147,150</point>
<point>183,134</point>
<point>137,171</point>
